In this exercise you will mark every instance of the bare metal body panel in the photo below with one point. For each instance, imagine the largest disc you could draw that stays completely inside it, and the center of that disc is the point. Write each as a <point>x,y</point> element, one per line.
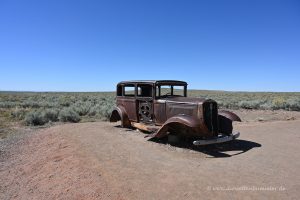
<point>182,115</point>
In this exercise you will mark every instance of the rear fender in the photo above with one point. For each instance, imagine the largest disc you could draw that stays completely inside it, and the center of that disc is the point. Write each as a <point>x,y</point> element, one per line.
<point>185,120</point>
<point>119,114</point>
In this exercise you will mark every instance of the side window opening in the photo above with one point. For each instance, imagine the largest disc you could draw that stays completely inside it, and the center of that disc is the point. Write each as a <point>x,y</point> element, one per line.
<point>145,90</point>
<point>129,90</point>
<point>165,90</point>
<point>157,91</point>
<point>178,90</point>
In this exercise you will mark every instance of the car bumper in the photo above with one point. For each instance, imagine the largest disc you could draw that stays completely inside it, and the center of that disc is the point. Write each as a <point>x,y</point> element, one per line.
<point>219,139</point>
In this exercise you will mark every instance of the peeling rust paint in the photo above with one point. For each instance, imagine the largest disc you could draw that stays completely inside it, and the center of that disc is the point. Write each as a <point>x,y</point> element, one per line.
<point>145,109</point>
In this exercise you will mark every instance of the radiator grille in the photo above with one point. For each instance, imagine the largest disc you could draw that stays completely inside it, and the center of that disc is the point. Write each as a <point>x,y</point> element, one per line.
<point>210,110</point>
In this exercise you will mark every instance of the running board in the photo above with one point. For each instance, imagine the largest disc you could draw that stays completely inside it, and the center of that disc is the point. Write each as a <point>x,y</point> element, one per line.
<point>144,127</point>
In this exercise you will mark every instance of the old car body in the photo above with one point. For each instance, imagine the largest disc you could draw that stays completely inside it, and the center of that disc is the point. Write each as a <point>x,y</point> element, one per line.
<point>162,107</point>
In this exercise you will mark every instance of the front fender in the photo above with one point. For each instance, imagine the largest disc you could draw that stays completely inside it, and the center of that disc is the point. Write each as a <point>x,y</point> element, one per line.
<point>119,113</point>
<point>230,115</point>
<point>225,121</point>
<point>186,120</point>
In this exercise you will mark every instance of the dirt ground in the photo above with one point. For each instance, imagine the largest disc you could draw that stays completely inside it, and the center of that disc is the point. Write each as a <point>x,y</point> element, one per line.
<point>99,160</point>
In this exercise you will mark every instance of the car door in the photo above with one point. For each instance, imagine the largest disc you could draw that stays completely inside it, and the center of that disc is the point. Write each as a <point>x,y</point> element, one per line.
<point>128,101</point>
<point>145,103</point>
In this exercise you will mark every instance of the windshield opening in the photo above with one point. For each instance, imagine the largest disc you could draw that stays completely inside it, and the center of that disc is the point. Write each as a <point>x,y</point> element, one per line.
<point>170,90</point>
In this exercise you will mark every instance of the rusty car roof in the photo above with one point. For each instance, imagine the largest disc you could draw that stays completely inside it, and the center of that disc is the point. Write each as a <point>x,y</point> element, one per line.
<point>154,82</point>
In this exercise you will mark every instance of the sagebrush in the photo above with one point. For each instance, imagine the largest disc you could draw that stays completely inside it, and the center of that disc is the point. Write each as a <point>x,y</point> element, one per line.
<point>41,108</point>
<point>38,108</point>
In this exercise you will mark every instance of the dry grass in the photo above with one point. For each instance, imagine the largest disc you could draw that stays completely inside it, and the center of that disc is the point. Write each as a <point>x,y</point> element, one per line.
<point>38,108</point>
<point>252,100</point>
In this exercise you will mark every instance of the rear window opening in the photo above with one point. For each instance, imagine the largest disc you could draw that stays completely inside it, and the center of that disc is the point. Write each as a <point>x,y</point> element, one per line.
<point>119,90</point>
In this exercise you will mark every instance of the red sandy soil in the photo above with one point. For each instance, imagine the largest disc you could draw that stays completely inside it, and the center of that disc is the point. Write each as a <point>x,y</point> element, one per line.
<point>101,161</point>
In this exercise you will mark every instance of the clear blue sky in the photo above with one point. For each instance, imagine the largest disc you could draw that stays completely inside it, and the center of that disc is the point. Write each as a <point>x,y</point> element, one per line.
<point>68,45</point>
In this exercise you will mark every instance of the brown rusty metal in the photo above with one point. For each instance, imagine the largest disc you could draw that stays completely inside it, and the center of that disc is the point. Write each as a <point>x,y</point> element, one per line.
<point>189,117</point>
<point>184,122</point>
<point>145,127</point>
<point>119,114</point>
<point>130,106</point>
<point>225,121</point>
<point>230,115</point>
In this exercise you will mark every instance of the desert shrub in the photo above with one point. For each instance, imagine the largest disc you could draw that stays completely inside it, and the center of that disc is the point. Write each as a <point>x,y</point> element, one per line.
<point>255,104</point>
<point>266,106</point>
<point>94,110</point>
<point>102,109</point>
<point>82,108</point>
<point>41,117</point>
<point>35,118</point>
<point>18,114</point>
<point>66,100</point>
<point>46,106</point>
<point>51,115</point>
<point>293,104</point>
<point>7,104</point>
<point>105,112</point>
<point>106,108</point>
<point>30,104</point>
<point>278,103</point>
<point>68,115</point>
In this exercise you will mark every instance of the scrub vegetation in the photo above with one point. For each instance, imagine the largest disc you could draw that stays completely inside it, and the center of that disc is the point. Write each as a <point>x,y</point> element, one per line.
<point>289,101</point>
<point>39,108</point>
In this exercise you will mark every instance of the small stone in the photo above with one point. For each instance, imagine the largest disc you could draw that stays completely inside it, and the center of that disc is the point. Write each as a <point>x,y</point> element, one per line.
<point>291,118</point>
<point>260,119</point>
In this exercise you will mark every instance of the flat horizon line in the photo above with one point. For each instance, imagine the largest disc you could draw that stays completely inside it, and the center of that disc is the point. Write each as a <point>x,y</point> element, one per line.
<point>32,91</point>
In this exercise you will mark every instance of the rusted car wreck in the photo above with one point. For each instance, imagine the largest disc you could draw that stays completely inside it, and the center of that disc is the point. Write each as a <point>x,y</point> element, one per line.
<point>163,109</point>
